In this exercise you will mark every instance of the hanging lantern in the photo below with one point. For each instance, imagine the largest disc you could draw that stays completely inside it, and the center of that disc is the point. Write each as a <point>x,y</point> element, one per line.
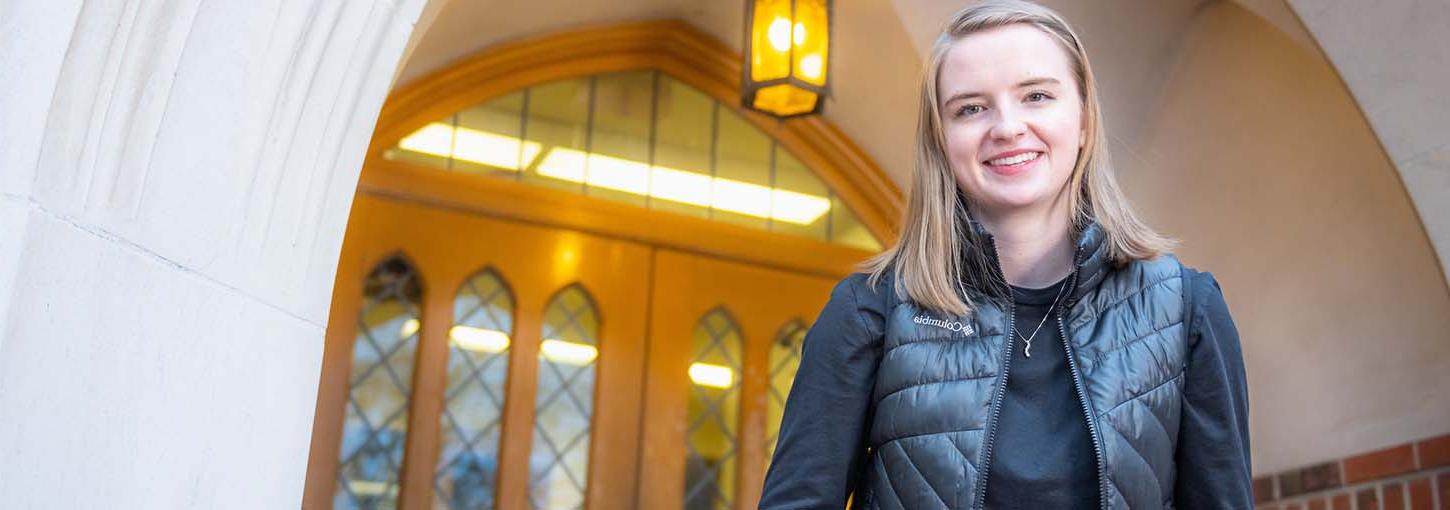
<point>786,55</point>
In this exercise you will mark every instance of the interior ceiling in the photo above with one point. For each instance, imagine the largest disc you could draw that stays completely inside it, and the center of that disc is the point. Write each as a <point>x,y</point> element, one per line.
<point>878,47</point>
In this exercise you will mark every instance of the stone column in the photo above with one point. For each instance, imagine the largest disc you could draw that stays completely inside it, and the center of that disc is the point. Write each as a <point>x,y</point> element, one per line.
<point>175,178</point>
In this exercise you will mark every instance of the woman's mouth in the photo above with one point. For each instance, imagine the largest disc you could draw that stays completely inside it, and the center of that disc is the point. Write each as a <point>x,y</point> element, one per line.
<point>1013,165</point>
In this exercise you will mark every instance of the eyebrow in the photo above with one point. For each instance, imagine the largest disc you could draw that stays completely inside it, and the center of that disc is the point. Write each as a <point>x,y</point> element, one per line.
<point>1024,84</point>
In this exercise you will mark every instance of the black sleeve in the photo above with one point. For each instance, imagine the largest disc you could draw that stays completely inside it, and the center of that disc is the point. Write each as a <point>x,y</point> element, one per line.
<point>1213,462</point>
<point>824,424</point>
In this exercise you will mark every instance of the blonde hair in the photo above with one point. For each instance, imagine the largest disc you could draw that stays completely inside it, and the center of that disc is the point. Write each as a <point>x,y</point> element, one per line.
<point>937,249</point>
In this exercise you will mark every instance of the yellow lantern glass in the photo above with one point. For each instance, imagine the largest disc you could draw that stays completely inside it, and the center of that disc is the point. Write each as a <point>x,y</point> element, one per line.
<point>787,52</point>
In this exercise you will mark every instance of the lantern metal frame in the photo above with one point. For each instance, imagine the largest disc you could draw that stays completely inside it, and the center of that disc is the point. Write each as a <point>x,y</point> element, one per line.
<point>749,88</point>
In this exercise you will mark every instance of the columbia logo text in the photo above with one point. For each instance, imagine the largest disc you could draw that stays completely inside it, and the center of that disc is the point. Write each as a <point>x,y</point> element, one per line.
<point>965,329</point>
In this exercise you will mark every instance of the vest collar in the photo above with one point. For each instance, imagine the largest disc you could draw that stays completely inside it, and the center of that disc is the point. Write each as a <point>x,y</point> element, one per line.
<point>1090,257</point>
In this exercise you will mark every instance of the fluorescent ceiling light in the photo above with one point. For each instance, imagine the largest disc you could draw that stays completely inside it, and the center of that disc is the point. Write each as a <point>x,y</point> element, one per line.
<point>474,339</point>
<point>472,145</point>
<point>372,488</point>
<point>619,174</point>
<point>714,376</point>
<point>683,186</point>
<point>409,327</point>
<point>568,353</point>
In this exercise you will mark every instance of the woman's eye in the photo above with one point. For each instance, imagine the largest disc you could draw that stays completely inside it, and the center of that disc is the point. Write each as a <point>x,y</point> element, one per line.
<point>969,109</point>
<point>1036,94</point>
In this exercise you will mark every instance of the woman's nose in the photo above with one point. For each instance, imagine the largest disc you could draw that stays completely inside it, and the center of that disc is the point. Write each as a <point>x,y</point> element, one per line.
<point>1009,125</point>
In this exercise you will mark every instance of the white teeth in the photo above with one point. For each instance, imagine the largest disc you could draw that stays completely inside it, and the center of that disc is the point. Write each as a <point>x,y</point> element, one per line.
<point>1015,160</point>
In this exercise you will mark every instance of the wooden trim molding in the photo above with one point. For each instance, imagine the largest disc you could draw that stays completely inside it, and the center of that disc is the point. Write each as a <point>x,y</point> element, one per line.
<point>668,46</point>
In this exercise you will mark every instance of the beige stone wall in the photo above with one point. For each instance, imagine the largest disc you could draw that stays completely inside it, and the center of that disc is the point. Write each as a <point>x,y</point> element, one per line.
<point>1258,157</point>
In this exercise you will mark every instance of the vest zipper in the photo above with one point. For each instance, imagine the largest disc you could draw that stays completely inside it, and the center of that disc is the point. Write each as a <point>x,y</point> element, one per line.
<point>1082,395</point>
<point>1001,389</point>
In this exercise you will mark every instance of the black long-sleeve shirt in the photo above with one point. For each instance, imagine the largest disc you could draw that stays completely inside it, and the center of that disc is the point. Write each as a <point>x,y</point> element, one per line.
<point>824,429</point>
<point>1042,456</point>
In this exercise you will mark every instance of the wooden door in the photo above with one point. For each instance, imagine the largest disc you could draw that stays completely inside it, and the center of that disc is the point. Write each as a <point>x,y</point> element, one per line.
<point>536,266</point>
<point>693,423</point>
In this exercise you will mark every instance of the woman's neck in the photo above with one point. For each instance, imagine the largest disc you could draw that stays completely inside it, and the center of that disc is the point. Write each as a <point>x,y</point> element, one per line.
<point>1035,250</point>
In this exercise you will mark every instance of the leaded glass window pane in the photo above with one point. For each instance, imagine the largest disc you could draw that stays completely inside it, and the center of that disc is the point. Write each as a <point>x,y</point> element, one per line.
<point>742,171</point>
<point>714,413</point>
<point>557,127</point>
<point>375,426</point>
<point>785,360</point>
<point>564,405</point>
<point>684,139</point>
<point>642,138</point>
<point>478,347</point>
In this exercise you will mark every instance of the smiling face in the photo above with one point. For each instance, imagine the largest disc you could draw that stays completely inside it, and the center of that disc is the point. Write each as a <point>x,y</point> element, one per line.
<point>1011,118</point>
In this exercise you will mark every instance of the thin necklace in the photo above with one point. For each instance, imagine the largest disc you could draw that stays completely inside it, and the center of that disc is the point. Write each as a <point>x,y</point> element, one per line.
<point>1027,350</point>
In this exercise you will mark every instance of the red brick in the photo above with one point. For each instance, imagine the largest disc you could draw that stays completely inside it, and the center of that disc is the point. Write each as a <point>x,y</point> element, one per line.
<point>1264,488</point>
<point>1368,500</point>
<point>1444,482</point>
<point>1434,452</point>
<point>1293,506</point>
<point>1394,496</point>
<point>1422,497</point>
<point>1341,501</point>
<point>1317,504</point>
<point>1379,464</point>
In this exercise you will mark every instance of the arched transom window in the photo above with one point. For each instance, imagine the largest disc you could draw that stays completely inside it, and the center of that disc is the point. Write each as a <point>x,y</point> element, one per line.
<point>643,138</point>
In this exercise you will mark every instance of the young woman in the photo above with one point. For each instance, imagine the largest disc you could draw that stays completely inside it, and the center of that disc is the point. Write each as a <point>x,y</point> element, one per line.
<point>1028,342</point>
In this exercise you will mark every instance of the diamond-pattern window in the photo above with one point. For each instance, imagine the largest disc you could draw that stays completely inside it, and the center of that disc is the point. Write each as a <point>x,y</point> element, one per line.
<point>785,360</point>
<point>564,405</point>
<point>714,410</point>
<point>478,347</point>
<point>379,389</point>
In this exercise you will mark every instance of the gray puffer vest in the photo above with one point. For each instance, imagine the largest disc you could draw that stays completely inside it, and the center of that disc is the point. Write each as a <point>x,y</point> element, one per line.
<point>941,379</point>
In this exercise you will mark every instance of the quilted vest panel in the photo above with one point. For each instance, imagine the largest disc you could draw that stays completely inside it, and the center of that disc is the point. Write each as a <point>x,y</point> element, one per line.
<point>939,379</point>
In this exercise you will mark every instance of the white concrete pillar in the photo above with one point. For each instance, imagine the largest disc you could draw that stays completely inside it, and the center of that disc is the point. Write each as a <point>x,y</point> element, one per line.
<point>175,178</point>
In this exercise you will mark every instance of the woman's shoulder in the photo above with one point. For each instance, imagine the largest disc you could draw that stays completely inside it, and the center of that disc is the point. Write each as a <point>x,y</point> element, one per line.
<point>858,290</point>
<point>1207,306</point>
<point>1201,286</point>
<point>862,282</point>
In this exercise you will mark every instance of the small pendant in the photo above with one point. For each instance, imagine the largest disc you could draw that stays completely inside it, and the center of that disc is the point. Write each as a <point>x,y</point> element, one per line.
<point>1028,349</point>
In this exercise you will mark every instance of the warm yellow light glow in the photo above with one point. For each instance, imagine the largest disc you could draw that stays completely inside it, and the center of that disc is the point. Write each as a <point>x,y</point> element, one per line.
<point>410,326</point>
<point>714,376</point>
<point>785,99</point>
<point>684,187</point>
<point>799,208</point>
<point>811,66</point>
<point>779,34</point>
<point>472,145</point>
<point>681,186</point>
<point>788,62</point>
<point>568,353</point>
<point>474,339</point>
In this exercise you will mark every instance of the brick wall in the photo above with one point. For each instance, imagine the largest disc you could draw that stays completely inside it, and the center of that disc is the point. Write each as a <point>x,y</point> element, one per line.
<point>1411,476</point>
